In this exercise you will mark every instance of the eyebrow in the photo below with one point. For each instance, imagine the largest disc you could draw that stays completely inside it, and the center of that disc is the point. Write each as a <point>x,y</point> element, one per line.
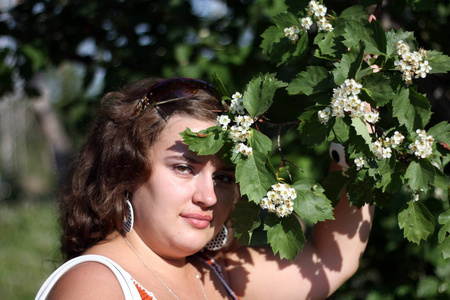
<point>192,159</point>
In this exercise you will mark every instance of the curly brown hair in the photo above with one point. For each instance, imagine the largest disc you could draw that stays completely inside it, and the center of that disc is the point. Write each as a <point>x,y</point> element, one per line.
<point>115,160</point>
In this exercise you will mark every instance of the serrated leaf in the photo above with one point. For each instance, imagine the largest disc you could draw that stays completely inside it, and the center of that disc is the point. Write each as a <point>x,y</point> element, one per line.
<point>355,12</point>
<point>440,132</point>
<point>312,131</point>
<point>329,45</point>
<point>245,219</point>
<point>311,203</point>
<point>444,220</point>
<point>349,65</point>
<point>411,109</point>
<point>285,235</point>
<point>271,36</point>
<point>341,131</point>
<point>361,130</point>
<point>254,177</point>
<point>444,248</point>
<point>286,19</point>
<point>439,62</point>
<point>260,142</point>
<point>361,31</point>
<point>315,79</point>
<point>204,142</point>
<point>416,221</point>
<point>381,87</point>
<point>258,96</point>
<point>443,235</point>
<point>392,37</point>
<point>379,36</point>
<point>420,175</point>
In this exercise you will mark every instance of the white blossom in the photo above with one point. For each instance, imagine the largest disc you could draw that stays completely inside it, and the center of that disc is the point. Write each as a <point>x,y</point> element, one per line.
<point>306,23</point>
<point>422,146</point>
<point>324,115</point>
<point>279,200</point>
<point>411,64</point>
<point>223,121</point>
<point>360,162</point>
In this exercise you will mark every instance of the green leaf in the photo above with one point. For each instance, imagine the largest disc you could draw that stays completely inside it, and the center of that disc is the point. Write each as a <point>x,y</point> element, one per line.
<point>258,96</point>
<point>416,221</point>
<point>220,86</point>
<point>361,130</point>
<point>254,177</point>
<point>285,235</point>
<point>312,131</point>
<point>444,220</point>
<point>334,184</point>
<point>355,12</point>
<point>271,37</point>
<point>392,37</point>
<point>205,142</point>
<point>311,203</point>
<point>411,109</point>
<point>443,235</point>
<point>350,65</point>
<point>381,87</point>
<point>329,46</point>
<point>440,132</point>
<point>260,142</point>
<point>379,37</point>
<point>420,175</point>
<point>245,220</point>
<point>341,131</point>
<point>314,80</point>
<point>439,62</point>
<point>361,31</point>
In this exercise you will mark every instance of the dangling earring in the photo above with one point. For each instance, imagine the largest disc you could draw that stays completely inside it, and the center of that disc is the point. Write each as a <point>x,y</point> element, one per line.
<point>128,221</point>
<point>219,241</point>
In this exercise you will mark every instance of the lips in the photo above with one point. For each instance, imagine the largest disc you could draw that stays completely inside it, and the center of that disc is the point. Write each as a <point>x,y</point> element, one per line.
<point>197,220</point>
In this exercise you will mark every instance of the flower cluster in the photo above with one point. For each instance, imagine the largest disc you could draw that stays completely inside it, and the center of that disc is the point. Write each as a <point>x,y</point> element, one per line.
<point>360,162</point>
<point>292,33</point>
<point>411,64</point>
<point>345,100</point>
<point>423,145</point>
<point>280,200</point>
<point>317,12</point>
<point>240,131</point>
<point>383,148</point>
<point>237,105</point>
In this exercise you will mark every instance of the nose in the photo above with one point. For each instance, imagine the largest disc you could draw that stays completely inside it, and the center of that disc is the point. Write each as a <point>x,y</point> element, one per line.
<point>205,194</point>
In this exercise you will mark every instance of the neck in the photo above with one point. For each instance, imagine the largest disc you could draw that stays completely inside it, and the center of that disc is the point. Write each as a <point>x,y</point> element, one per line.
<point>156,259</point>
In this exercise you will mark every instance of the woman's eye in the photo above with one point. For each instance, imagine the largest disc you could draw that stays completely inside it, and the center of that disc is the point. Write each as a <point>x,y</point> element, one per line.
<point>224,178</point>
<point>183,169</point>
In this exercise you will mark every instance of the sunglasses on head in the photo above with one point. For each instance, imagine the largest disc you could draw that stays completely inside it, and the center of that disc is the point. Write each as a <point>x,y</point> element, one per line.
<point>171,90</point>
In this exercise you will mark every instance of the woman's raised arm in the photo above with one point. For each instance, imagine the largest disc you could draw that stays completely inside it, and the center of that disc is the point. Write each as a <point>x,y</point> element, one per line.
<point>328,259</point>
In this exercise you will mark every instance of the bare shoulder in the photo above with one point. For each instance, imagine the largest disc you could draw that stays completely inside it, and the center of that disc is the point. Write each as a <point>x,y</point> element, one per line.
<point>91,280</point>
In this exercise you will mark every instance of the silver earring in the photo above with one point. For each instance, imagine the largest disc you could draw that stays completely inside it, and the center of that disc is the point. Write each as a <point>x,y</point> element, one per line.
<point>219,241</point>
<point>128,221</point>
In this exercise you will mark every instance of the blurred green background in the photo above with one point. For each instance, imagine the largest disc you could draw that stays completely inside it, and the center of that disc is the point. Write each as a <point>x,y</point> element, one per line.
<point>59,57</point>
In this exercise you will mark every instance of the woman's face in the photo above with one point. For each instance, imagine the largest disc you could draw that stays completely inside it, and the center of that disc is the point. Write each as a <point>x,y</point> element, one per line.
<point>187,198</point>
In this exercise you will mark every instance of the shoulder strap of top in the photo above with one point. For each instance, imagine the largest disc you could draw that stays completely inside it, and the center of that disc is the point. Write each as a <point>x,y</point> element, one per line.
<point>211,262</point>
<point>129,289</point>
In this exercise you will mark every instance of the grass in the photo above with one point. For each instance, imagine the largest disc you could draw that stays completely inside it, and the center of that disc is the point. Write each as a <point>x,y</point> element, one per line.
<point>28,247</point>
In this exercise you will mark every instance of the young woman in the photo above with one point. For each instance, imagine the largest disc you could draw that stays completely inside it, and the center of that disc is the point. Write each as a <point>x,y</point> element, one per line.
<point>140,207</point>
